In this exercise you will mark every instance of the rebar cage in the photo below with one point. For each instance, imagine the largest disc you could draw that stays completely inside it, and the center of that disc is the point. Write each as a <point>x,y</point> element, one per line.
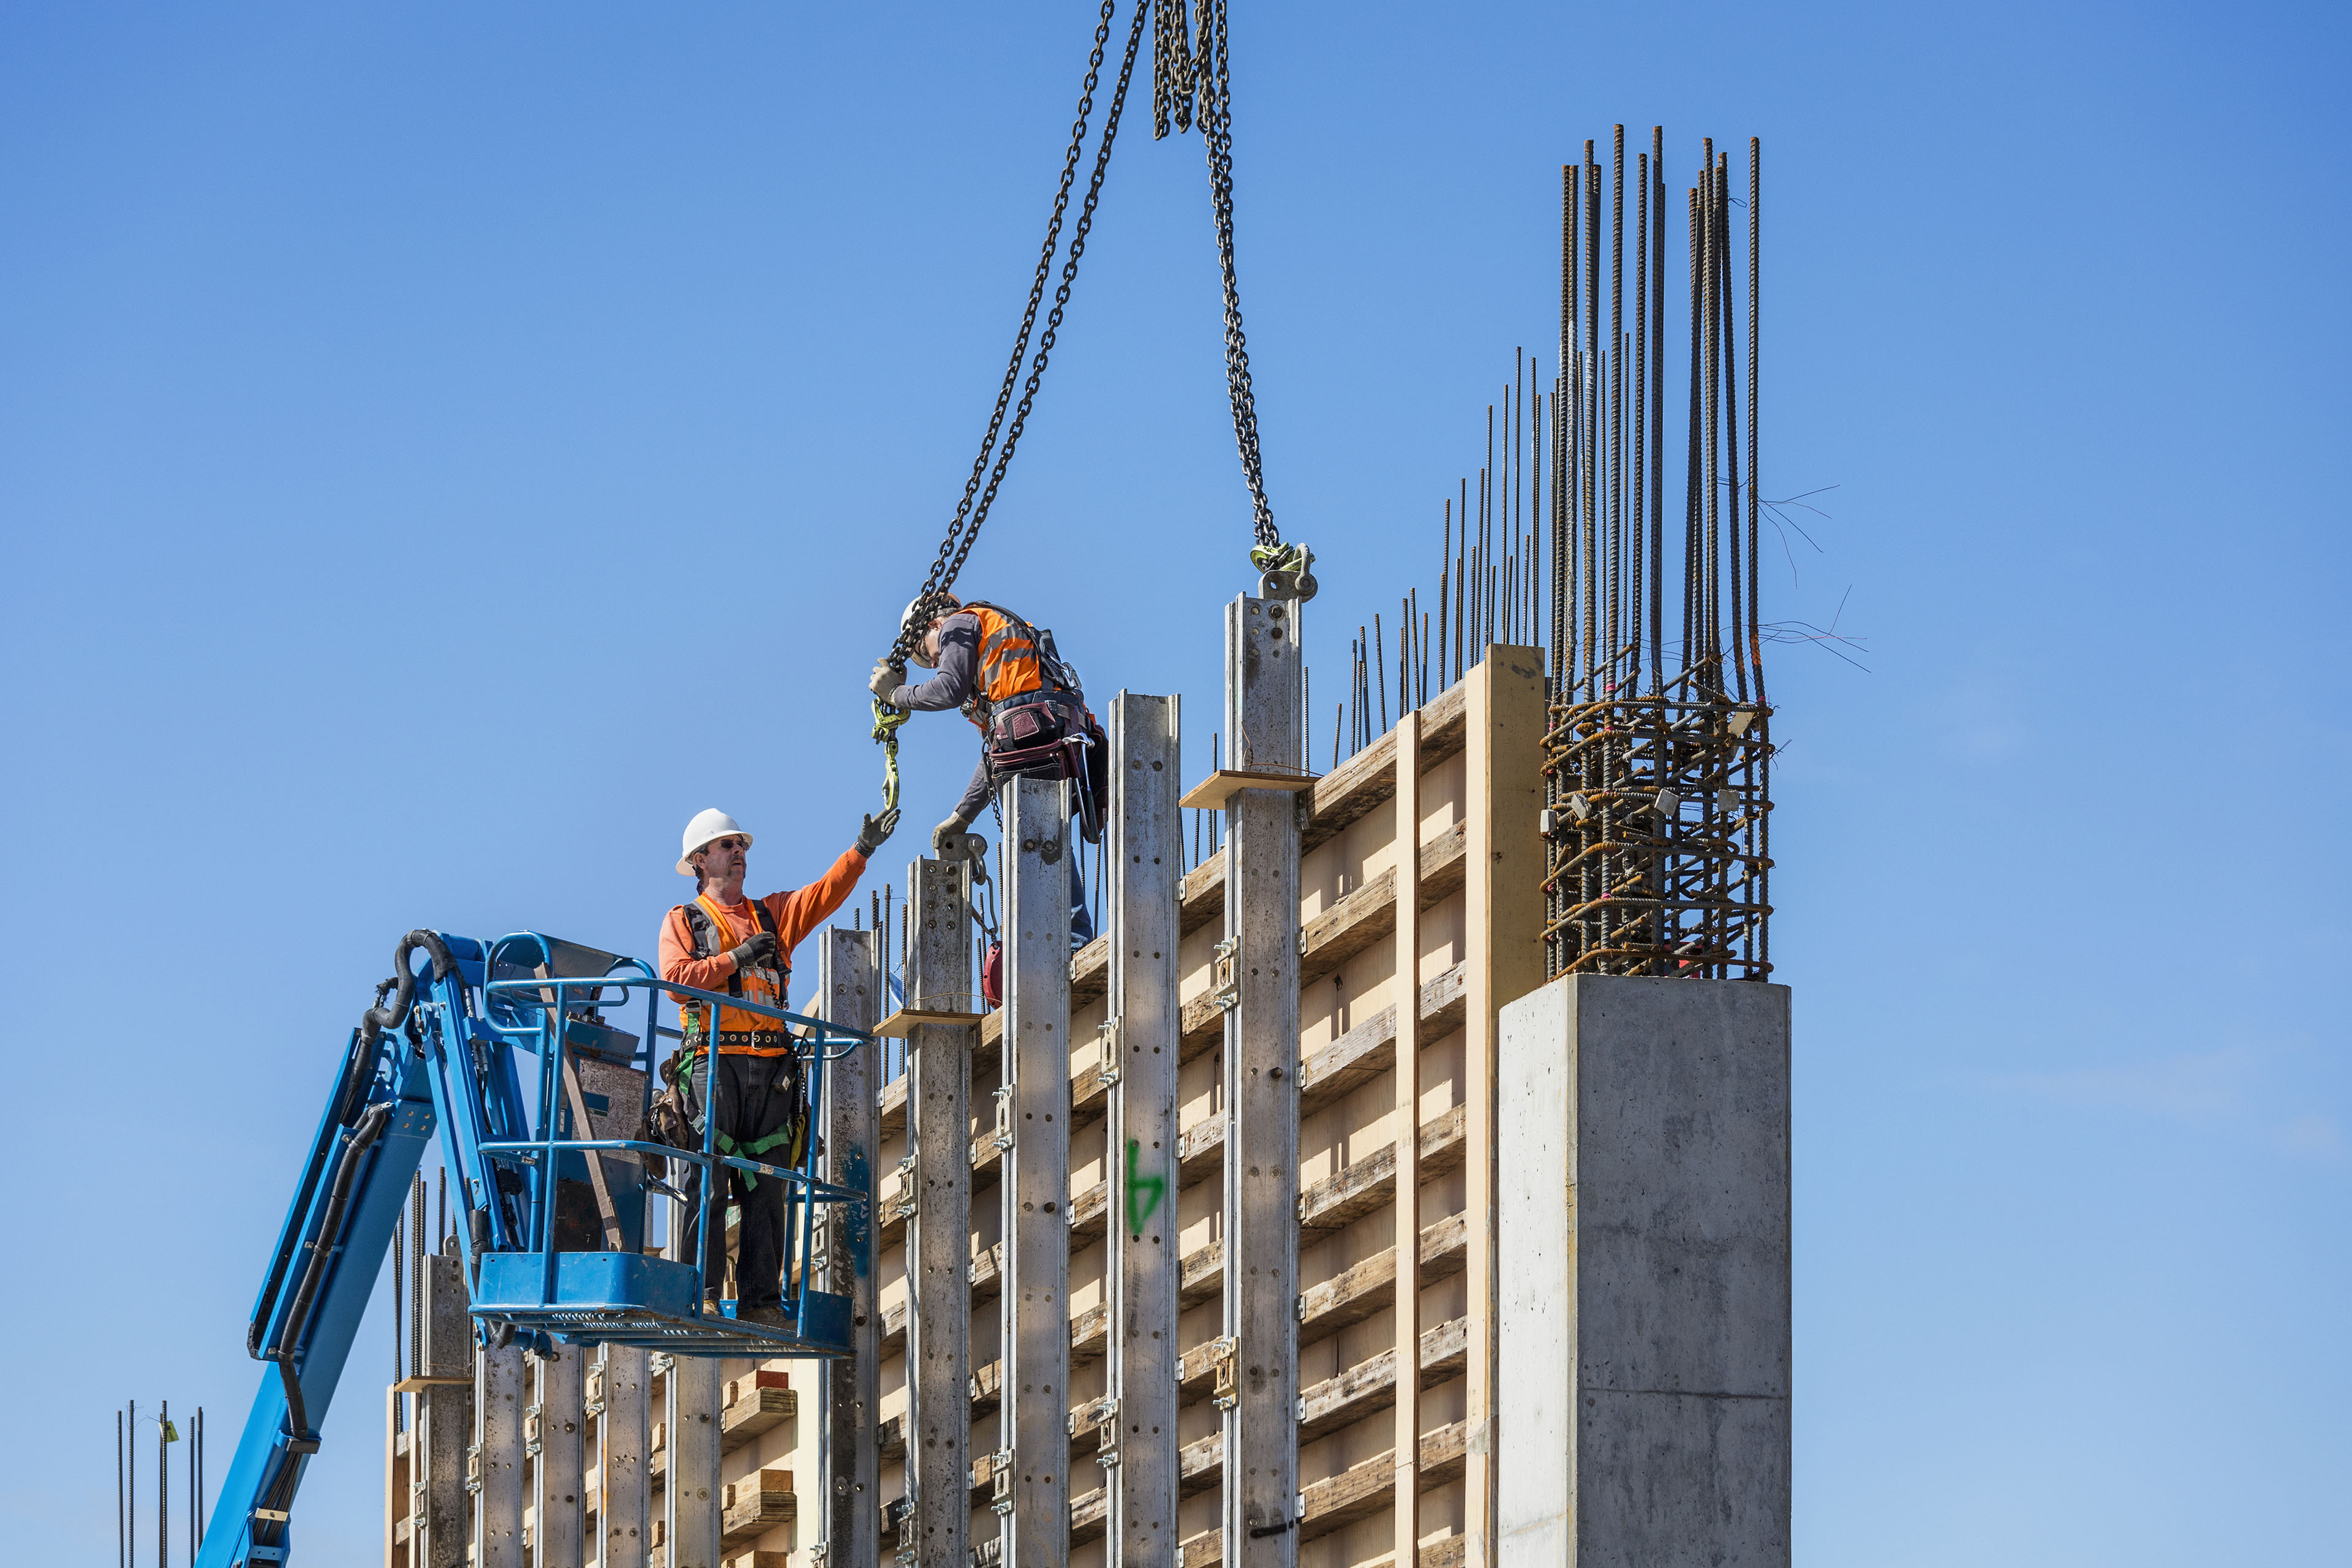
<point>1657,845</point>
<point>1657,786</point>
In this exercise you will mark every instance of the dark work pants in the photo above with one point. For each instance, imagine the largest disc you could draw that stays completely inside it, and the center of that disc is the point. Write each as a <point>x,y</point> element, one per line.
<point>754,1097</point>
<point>1082,923</point>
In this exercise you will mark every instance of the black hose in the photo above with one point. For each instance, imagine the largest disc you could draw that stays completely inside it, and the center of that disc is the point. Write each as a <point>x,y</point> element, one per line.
<point>330,1224</point>
<point>377,1019</point>
<point>359,1060</point>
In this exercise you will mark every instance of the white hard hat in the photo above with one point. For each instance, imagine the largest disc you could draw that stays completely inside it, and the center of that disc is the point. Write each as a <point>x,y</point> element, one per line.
<point>941,604</point>
<point>706,826</point>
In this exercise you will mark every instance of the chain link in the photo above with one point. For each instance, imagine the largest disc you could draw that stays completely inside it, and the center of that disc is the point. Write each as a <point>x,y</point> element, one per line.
<point>1189,66</point>
<point>1182,70</point>
<point>963,530</point>
<point>1175,68</point>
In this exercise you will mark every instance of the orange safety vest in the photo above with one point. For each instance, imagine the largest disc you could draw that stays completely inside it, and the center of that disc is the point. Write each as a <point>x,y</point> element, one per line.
<point>1011,664</point>
<point>740,1033</point>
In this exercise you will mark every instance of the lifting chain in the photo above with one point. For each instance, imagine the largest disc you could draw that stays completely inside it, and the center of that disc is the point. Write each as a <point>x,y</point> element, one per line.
<point>963,530</point>
<point>1182,68</point>
<point>1189,61</point>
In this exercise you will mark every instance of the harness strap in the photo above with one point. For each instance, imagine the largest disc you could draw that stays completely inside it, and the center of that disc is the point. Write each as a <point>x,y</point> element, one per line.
<point>759,1146</point>
<point>714,933</point>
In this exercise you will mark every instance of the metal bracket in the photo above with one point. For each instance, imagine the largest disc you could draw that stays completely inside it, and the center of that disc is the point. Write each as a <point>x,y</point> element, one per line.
<point>1224,977</point>
<point>1002,1136</point>
<point>903,1205</point>
<point>1286,572</point>
<point>531,1436</point>
<point>1110,1040</point>
<point>474,1470</point>
<point>1103,1414</point>
<point>1000,1480</point>
<point>1224,1371</point>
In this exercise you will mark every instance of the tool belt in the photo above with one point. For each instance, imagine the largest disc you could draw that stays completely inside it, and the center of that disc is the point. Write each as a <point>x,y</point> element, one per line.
<point>1044,738</point>
<point>1026,725</point>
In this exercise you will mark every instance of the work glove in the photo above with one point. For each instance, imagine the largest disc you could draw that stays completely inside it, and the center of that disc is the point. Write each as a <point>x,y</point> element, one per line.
<point>886,677</point>
<point>755,950</point>
<point>947,840</point>
<point>871,837</point>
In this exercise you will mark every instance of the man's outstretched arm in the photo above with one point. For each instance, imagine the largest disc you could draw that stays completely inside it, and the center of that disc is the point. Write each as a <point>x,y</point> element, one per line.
<point>958,676</point>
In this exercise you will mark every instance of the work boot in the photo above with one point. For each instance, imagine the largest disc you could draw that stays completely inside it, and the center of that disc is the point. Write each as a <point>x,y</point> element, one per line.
<point>712,1307</point>
<point>766,1317</point>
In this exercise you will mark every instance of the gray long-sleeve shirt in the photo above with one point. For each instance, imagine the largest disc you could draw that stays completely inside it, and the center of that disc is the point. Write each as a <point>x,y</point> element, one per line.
<point>954,683</point>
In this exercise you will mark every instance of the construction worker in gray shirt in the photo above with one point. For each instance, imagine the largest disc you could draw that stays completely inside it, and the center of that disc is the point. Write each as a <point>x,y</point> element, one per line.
<point>1007,678</point>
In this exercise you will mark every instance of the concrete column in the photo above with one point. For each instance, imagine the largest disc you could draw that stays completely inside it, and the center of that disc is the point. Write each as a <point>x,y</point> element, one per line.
<point>439,1508</point>
<point>494,1463</point>
<point>849,988</point>
<point>1644,1160</point>
<point>1034,1306</point>
<point>1144,841</point>
<point>690,1474</point>
<point>624,1431</point>
<point>1261,1208</point>
<point>938,1534</point>
<point>558,1472</point>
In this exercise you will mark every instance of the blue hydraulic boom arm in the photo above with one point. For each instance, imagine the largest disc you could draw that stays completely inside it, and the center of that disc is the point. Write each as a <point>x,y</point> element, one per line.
<point>443,1050</point>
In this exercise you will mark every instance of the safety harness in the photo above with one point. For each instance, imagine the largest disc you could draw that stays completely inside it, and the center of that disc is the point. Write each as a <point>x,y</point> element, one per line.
<point>713,934</point>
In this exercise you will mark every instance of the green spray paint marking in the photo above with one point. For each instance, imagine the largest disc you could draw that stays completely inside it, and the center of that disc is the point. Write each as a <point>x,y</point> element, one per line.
<point>1146,1191</point>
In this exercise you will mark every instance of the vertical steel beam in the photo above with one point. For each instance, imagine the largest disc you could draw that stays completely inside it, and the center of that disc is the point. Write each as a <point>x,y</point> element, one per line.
<point>1145,843</point>
<point>1406,989</point>
<point>624,1421</point>
<point>1261,1068</point>
<point>558,1469</point>
<point>938,1532</point>
<point>1034,1419</point>
<point>849,988</point>
<point>494,1463</point>
<point>691,1476</point>
<point>444,1426</point>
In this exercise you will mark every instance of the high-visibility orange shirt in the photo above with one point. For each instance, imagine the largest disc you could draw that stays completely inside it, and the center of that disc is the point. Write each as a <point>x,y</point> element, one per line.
<point>796,914</point>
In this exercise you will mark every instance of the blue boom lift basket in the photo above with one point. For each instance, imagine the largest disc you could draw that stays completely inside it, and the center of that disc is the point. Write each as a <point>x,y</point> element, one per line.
<point>627,1297</point>
<point>440,1051</point>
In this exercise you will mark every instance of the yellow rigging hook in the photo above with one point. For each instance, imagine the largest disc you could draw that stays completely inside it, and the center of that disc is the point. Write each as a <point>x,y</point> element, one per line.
<point>886,721</point>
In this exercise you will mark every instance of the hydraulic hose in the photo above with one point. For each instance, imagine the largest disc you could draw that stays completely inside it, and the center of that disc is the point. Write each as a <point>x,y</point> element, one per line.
<point>377,1019</point>
<point>355,1143</point>
<point>358,1062</point>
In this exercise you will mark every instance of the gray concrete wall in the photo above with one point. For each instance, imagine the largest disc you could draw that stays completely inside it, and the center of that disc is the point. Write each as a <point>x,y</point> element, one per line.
<point>1643,1165</point>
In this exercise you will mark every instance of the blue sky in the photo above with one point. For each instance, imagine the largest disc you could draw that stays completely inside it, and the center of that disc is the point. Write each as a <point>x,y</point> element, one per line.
<point>442,448</point>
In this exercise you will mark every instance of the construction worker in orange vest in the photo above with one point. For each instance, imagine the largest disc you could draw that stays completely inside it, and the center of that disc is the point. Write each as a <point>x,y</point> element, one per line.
<point>1008,679</point>
<point>747,1079</point>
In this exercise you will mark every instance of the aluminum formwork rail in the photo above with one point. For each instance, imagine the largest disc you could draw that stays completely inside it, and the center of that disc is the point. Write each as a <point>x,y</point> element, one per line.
<point>1031,1470</point>
<point>1140,1056</point>
<point>1258,981</point>
<point>937,1532</point>
<point>850,980</point>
